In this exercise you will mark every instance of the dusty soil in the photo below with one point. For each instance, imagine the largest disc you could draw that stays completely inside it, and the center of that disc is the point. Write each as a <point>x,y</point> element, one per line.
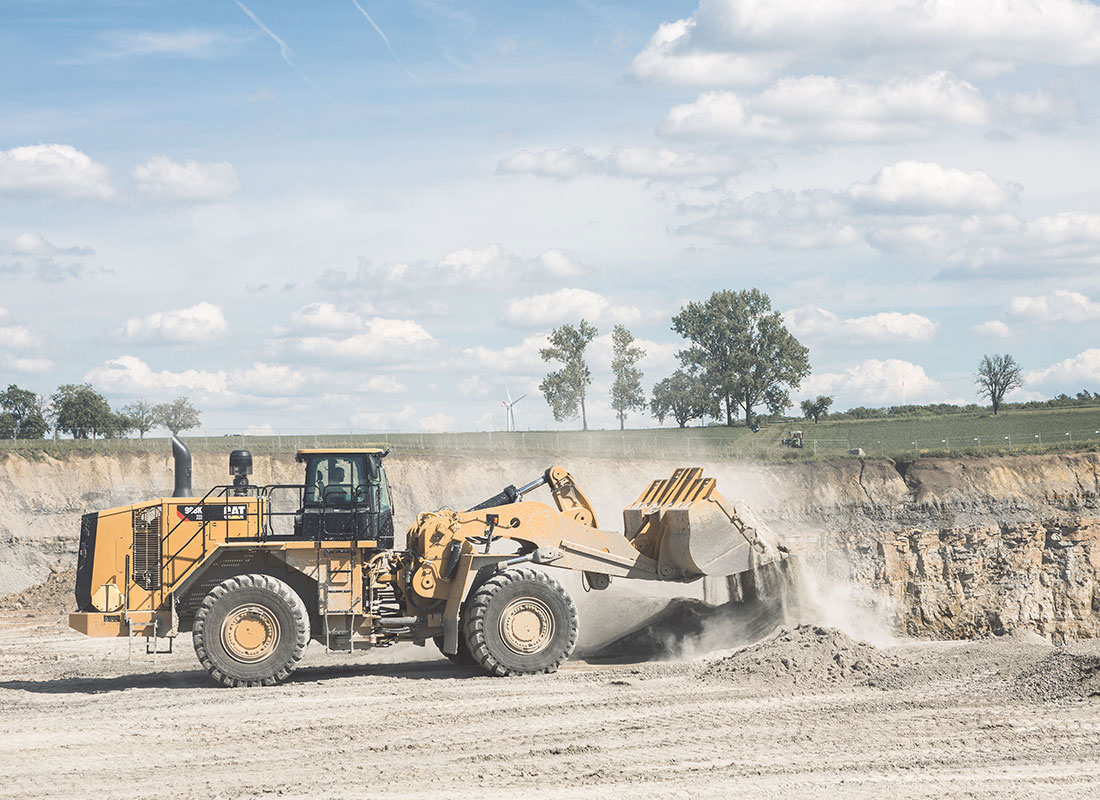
<point>1001,717</point>
<point>55,594</point>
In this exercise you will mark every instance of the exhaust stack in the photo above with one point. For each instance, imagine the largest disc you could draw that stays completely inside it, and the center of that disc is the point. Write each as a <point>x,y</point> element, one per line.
<point>182,458</point>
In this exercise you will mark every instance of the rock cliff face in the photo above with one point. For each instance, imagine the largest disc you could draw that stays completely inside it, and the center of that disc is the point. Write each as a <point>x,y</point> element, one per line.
<point>945,548</point>
<point>962,548</point>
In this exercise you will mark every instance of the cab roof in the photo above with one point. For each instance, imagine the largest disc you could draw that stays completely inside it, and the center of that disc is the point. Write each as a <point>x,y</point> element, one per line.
<point>342,451</point>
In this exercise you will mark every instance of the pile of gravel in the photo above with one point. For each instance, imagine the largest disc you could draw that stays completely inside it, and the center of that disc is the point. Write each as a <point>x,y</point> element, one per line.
<point>1059,676</point>
<point>53,595</point>
<point>809,655</point>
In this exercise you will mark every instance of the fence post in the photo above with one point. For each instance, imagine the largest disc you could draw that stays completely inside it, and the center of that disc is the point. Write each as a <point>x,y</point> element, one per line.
<point>815,447</point>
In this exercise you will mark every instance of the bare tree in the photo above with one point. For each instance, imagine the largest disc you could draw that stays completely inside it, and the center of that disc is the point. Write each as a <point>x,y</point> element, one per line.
<point>997,375</point>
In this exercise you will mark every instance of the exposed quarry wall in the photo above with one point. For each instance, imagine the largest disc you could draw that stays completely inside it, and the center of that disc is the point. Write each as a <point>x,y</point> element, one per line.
<point>943,547</point>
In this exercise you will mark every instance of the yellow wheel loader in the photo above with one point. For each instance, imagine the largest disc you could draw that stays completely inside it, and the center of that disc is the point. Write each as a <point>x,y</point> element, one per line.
<point>256,572</point>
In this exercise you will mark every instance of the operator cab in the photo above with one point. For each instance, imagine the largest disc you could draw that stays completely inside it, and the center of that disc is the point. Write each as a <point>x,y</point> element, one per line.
<point>346,496</point>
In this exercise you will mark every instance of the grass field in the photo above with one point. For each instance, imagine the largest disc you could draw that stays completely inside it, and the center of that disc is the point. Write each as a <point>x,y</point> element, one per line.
<point>976,434</point>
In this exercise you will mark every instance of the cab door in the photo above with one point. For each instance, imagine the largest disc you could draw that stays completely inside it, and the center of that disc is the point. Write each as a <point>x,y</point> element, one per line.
<point>384,516</point>
<point>338,502</point>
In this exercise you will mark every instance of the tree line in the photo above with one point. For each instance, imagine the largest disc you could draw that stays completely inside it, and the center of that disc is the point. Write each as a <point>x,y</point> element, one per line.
<point>739,356</point>
<point>83,413</point>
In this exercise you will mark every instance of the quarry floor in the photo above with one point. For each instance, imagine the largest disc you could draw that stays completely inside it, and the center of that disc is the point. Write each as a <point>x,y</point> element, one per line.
<point>77,720</point>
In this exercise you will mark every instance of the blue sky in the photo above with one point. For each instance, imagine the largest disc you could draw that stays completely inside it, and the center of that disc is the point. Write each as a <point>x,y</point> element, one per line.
<point>264,206</point>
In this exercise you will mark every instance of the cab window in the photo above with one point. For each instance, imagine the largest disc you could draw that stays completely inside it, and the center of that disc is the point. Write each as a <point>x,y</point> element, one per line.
<point>336,480</point>
<point>383,490</point>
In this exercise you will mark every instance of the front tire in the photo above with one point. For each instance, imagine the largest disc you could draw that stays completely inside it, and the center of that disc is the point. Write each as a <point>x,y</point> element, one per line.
<point>521,622</point>
<point>463,657</point>
<point>251,630</point>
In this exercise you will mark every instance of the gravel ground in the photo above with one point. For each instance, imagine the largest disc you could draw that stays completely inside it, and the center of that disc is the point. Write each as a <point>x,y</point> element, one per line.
<point>1008,717</point>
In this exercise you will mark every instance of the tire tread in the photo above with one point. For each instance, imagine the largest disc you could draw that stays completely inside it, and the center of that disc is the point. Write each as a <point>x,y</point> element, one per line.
<point>479,606</point>
<point>259,581</point>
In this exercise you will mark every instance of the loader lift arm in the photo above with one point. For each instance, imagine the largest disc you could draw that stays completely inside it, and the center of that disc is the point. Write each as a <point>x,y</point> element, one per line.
<point>679,529</point>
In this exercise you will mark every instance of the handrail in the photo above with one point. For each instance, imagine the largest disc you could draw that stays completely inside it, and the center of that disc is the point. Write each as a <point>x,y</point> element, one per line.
<point>265,522</point>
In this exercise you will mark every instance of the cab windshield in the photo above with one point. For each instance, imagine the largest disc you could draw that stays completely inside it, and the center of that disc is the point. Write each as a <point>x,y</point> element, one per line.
<point>337,480</point>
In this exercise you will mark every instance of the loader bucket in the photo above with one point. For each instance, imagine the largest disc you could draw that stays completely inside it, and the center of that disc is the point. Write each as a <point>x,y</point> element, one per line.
<point>692,531</point>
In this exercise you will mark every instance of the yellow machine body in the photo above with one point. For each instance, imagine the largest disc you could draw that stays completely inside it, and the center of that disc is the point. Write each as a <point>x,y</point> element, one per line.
<point>144,568</point>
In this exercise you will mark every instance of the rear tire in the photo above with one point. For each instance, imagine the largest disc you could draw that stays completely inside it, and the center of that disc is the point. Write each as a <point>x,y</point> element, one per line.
<point>251,630</point>
<point>521,622</point>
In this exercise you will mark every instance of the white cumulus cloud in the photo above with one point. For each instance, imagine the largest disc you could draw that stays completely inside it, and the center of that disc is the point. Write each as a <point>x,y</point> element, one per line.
<point>565,305</point>
<point>130,375</point>
<point>522,357</point>
<point>268,380</point>
<point>1057,306</point>
<point>16,337</point>
<point>1082,369</point>
<point>465,267</point>
<point>202,322</point>
<point>468,264</point>
<point>559,264</point>
<point>166,179</point>
<point>381,340</point>
<point>884,327</point>
<point>53,169</point>
<point>994,328</point>
<point>916,187</point>
<point>37,246</point>
<point>732,42</point>
<point>819,108</point>
<point>32,366</point>
<point>326,317</point>
<point>874,382</point>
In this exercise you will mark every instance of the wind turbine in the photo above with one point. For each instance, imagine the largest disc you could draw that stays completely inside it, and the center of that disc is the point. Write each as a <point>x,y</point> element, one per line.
<point>509,405</point>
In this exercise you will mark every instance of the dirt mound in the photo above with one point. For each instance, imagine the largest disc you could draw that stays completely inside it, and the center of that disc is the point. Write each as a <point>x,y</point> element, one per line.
<point>55,594</point>
<point>806,656</point>
<point>1059,676</point>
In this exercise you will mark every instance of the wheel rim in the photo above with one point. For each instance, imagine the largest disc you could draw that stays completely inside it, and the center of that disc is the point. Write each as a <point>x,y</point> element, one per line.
<point>250,633</point>
<point>526,625</point>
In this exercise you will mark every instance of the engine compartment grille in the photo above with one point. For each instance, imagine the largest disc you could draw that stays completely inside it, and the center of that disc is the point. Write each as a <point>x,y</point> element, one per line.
<point>145,564</point>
